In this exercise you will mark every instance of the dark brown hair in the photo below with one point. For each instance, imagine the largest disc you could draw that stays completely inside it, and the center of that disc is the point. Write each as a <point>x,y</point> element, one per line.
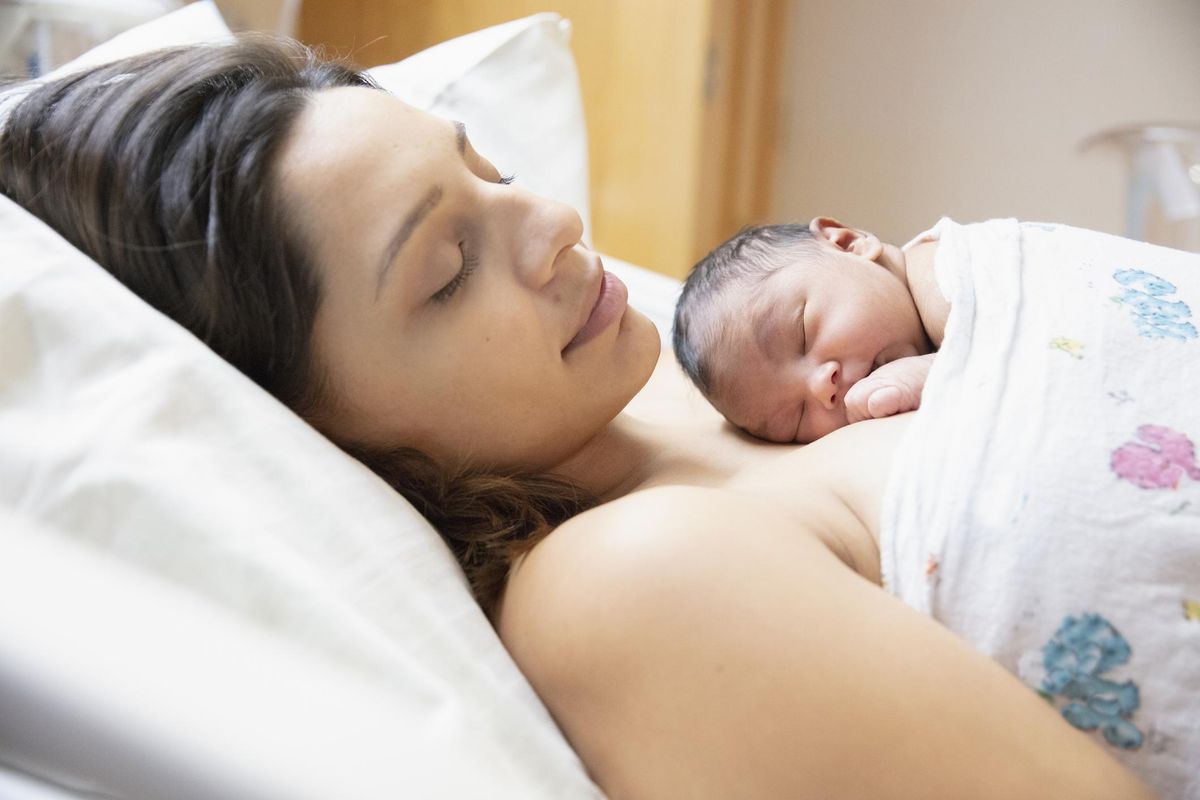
<point>160,168</point>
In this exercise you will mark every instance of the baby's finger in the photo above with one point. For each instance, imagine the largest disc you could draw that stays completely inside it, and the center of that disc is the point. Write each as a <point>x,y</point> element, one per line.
<point>885,401</point>
<point>856,401</point>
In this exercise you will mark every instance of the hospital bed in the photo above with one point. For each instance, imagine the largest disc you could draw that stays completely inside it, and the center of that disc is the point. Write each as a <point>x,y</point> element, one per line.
<point>199,595</point>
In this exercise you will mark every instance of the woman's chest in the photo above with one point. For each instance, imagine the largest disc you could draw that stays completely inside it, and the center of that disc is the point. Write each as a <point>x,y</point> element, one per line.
<point>835,486</point>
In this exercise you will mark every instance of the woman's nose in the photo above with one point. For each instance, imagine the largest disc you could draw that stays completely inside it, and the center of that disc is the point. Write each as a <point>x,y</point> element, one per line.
<point>542,232</point>
<point>823,384</point>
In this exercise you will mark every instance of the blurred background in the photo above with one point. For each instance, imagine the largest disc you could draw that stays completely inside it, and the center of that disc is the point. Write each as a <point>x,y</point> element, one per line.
<point>707,115</point>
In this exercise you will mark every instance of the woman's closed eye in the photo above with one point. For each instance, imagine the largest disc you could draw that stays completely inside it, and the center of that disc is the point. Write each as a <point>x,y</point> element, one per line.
<point>469,262</point>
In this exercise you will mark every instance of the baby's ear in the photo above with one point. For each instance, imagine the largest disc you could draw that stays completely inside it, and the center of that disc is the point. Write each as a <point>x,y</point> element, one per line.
<point>845,238</point>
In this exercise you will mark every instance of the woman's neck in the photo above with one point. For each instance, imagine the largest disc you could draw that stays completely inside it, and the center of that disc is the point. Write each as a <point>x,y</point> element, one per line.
<point>667,434</point>
<point>635,452</point>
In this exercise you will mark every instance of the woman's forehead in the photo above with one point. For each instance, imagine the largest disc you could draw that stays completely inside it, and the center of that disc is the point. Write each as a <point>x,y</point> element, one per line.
<point>357,160</point>
<point>360,129</point>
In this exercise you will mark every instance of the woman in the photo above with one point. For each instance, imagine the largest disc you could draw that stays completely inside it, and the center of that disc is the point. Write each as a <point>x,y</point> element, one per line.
<point>358,259</point>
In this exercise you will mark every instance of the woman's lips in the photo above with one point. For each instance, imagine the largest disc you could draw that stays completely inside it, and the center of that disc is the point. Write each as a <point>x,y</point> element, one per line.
<point>610,305</point>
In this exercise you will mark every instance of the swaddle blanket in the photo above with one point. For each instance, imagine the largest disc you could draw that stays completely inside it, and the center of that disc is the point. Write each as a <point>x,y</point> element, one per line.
<point>1045,502</point>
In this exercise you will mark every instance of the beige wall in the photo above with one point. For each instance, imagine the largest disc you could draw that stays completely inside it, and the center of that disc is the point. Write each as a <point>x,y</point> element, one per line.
<point>894,113</point>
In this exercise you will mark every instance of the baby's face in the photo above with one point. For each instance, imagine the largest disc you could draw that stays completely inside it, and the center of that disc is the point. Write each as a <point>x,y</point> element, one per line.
<point>791,346</point>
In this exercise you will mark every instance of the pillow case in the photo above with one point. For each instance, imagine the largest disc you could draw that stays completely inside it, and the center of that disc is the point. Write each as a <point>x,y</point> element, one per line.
<point>120,430</point>
<point>516,89</point>
<point>196,23</point>
<point>126,685</point>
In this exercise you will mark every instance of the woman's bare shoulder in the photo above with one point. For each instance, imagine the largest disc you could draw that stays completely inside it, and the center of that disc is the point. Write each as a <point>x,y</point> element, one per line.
<point>649,531</point>
<point>694,642</point>
<point>649,535</point>
<point>578,581</point>
<point>586,601</point>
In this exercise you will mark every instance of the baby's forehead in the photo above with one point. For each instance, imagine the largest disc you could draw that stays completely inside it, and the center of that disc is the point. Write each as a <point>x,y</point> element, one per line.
<point>742,379</point>
<point>743,332</point>
<point>747,313</point>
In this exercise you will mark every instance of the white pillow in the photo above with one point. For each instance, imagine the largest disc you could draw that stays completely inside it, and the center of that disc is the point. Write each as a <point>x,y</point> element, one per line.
<point>196,23</point>
<point>120,683</point>
<point>516,88</point>
<point>122,432</point>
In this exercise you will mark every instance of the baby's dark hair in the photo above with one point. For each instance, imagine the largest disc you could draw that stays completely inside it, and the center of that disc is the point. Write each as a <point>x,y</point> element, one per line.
<point>747,257</point>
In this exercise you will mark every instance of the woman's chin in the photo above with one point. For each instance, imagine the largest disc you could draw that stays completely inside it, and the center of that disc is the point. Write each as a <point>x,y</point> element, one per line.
<point>639,348</point>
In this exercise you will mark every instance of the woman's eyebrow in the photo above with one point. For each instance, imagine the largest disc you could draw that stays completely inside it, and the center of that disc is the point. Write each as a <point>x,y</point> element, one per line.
<point>414,217</point>
<point>410,223</point>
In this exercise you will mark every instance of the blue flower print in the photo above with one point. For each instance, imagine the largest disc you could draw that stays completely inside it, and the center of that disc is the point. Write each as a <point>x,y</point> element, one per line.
<point>1154,316</point>
<point>1082,650</point>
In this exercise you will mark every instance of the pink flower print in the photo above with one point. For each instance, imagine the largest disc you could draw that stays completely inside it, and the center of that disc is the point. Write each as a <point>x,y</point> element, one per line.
<point>1160,463</point>
<point>933,571</point>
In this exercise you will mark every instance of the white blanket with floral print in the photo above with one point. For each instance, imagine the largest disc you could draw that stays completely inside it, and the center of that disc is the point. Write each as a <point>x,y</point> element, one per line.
<point>1045,504</point>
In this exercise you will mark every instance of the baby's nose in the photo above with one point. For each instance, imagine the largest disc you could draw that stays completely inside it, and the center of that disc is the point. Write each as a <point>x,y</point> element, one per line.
<point>823,384</point>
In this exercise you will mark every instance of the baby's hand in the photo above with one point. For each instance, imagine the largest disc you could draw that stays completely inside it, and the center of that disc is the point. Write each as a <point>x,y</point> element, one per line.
<point>892,389</point>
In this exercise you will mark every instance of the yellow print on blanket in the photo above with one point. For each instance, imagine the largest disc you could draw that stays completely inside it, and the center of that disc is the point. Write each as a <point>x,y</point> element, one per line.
<point>1191,610</point>
<point>1071,347</point>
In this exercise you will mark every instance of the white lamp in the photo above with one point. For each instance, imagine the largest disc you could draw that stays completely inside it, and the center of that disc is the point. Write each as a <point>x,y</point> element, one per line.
<point>1164,179</point>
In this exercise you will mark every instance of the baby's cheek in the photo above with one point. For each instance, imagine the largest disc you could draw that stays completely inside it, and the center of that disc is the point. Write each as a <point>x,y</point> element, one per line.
<point>827,423</point>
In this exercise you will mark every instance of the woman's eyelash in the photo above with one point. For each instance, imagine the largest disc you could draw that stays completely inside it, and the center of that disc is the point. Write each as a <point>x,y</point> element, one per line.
<point>469,264</point>
<point>506,179</point>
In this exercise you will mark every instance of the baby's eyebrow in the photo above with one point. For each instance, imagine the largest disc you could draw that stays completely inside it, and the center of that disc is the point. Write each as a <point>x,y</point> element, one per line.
<point>765,331</point>
<point>762,339</point>
<point>460,137</point>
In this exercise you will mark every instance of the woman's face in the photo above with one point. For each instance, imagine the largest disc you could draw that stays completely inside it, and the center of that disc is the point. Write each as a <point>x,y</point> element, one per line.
<point>449,297</point>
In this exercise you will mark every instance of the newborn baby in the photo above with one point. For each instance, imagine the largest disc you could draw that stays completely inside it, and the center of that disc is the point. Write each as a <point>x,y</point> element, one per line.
<point>793,331</point>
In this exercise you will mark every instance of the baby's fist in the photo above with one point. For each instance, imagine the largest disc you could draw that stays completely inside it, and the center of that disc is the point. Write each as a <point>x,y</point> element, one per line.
<point>892,389</point>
